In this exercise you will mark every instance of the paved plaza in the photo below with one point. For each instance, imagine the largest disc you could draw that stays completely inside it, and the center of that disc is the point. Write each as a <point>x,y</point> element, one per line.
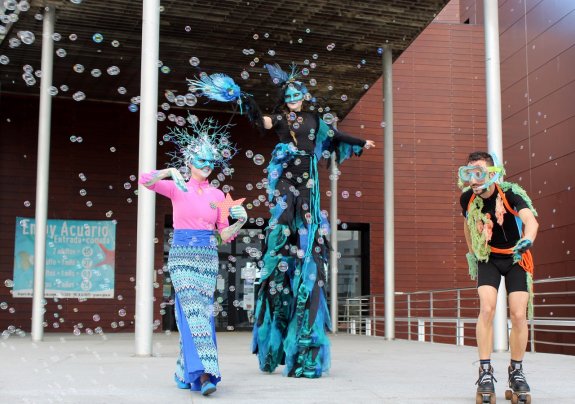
<point>103,369</point>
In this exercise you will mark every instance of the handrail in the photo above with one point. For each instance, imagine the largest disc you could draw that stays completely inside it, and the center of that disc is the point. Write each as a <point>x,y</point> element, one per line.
<point>399,293</point>
<point>443,314</point>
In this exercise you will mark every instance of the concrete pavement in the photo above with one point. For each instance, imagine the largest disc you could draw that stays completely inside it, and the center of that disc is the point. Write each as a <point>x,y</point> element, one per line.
<point>103,369</point>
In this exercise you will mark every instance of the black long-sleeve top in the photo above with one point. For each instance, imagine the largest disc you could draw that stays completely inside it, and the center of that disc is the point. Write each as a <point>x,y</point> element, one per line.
<point>305,128</point>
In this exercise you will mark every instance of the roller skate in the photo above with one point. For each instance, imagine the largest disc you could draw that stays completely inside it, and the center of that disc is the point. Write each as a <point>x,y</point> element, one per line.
<point>485,387</point>
<point>519,390</point>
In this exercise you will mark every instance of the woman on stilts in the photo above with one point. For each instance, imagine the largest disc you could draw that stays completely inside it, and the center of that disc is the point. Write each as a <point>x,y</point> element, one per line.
<point>291,314</point>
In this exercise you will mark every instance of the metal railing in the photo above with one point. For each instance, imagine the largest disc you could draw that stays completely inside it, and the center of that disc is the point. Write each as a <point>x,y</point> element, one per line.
<point>449,315</point>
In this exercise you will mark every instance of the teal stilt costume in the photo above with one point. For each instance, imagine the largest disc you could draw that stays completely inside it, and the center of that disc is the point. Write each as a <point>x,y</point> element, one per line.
<point>292,315</point>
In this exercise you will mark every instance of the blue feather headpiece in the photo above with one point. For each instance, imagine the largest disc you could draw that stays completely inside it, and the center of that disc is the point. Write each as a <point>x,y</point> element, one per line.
<point>282,78</point>
<point>209,140</point>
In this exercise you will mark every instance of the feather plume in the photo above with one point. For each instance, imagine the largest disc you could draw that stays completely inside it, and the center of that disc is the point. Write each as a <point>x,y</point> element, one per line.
<point>279,77</point>
<point>217,87</point>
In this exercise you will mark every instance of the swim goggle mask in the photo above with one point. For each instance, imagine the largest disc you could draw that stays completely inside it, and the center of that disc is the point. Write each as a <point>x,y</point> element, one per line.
<point>479,173</point>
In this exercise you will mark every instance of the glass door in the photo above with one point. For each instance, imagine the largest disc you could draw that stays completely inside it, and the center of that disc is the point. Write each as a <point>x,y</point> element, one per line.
<point>242,272</point>
<point>234,297</point>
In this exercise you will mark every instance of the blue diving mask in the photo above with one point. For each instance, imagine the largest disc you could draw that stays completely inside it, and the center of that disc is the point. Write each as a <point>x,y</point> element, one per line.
<point>479,173</point>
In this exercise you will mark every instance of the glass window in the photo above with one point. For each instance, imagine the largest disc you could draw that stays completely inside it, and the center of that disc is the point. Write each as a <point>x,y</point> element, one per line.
<point>349,265</point>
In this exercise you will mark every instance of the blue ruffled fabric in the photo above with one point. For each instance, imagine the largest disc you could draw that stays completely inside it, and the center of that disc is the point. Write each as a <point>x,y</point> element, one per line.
<point>291,322</point>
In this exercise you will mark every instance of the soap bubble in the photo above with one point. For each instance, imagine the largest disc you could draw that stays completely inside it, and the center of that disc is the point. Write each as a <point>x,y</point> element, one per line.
<point>27,37</point>
<point>259,159</point>
<point>79,96</point>
<point>113,70</point>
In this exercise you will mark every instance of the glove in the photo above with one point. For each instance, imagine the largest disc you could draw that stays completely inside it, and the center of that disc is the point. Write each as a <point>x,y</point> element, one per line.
<point>236,212</point>
<point>520,248</point>
<point>239,212</point>
<point>165,173</point>
<point>472,265</point>
<point>178,179</point>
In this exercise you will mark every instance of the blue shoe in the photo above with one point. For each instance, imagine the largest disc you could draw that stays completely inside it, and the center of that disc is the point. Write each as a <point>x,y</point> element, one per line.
<point>180,384</point>
<point>208,388</point>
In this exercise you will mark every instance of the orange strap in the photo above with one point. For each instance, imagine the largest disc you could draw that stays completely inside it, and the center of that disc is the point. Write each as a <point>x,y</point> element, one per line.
<point>526,258</point>
<point>505,202</point>
<point>470,200</point>
<point>506,251</point>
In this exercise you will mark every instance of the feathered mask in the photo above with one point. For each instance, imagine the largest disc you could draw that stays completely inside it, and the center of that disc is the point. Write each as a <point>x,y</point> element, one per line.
<point>210,141</point>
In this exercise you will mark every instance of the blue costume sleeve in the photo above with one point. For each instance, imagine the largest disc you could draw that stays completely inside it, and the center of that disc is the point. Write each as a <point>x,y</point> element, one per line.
<point>331,140</point>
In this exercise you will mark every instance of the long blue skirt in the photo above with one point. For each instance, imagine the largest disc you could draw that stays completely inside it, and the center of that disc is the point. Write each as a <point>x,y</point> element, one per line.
<point>193,265</point>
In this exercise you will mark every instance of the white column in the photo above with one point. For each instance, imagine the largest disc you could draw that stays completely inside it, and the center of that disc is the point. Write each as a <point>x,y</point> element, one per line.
<point>42,174</point>
<point>495,143</point>
<point>388,195</point>
<point>147,162</point>
<point>333,241</point>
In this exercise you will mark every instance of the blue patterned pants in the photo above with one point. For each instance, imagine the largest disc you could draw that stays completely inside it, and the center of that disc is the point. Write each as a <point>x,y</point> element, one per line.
<point>193,265</point>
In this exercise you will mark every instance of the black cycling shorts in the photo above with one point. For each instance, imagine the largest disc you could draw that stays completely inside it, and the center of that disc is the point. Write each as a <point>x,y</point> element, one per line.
<point>490,273</point>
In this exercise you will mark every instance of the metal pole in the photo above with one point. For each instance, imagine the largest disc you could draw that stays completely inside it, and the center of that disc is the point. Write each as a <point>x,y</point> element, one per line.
<point>388,216</point>
<point>42,174</point>
<point>333,241</point>
<point>532,334</point>
<point>494,143</point>
<point>409,317</point>
<point>147,162</point>
<point>459,324</point>
<point>431,330</point>
<point>374,316</point>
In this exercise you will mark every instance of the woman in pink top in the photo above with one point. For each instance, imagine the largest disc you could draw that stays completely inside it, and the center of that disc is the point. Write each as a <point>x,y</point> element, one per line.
<point>200,214</point>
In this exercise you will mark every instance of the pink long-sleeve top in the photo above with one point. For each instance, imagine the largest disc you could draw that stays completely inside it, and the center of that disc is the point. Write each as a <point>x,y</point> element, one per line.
<point>192,209</point>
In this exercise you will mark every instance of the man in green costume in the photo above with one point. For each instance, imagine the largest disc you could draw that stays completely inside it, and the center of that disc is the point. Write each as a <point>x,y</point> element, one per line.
<point>500,228</point>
